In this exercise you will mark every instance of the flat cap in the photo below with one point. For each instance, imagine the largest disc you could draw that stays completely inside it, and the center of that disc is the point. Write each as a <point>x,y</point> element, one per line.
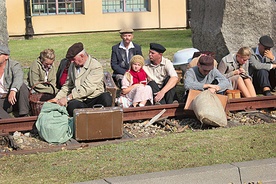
<point>157,47</point>
<point>266,41</point>
<point>4,49</point>
<point>126,30</point>
<point>74,50</point>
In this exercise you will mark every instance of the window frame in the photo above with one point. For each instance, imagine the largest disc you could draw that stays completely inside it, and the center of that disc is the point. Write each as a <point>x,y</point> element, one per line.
<point>57,7</point>
<point>123,6</point>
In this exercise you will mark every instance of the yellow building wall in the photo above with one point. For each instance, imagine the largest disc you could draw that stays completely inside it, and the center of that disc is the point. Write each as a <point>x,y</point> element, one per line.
<point>15,17</point>
<point>172,14</point>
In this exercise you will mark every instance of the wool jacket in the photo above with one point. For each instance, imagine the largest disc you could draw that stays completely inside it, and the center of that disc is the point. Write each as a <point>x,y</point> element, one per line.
<point>119,63</point>
<point>88,83</point>
<point>37,74</point>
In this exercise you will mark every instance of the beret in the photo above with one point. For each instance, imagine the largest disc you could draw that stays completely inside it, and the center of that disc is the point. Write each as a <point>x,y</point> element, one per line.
<point>157,47</point>
<point>126,30</point>
<point>266,41</point>
<point>74,50</point>
<point>4,49</point>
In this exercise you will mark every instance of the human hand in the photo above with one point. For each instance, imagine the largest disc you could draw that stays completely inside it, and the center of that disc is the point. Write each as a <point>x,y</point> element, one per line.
<point>212,90</point>
<point>53,100</point>
<point>62,102</point>
<point>158,96</point>
<point>269,54</point>
<point>12,97</point>
<point>241,70</point>
<point>216,87</point>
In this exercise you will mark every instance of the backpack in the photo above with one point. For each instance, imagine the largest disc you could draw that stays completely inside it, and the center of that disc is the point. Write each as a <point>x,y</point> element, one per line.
<point>53,123</point>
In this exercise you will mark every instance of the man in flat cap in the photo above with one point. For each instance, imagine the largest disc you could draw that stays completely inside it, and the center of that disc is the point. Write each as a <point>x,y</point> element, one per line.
<point>13,92</point>
<point>84,86</point>
<point>262,66</point>
<point>162,75</point>
<point>122,53</point>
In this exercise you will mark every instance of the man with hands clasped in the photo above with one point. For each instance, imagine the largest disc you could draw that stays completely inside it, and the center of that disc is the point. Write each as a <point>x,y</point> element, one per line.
<point>262,66</point>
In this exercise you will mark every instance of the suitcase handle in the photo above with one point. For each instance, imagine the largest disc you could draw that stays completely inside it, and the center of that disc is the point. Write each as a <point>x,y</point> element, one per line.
<point>98,106</point>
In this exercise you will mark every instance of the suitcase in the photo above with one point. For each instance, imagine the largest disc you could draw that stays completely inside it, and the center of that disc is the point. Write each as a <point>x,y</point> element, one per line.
<point>98,123</point>
<point>110,86</point>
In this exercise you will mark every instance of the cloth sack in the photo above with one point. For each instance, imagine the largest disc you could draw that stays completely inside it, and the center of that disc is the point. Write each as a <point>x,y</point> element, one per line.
<point>123,101</point>
<point>53,123</point>
<point>209,110</point>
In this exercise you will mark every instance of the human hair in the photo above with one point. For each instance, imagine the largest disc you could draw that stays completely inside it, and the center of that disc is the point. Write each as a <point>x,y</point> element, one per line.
<point>47,54</point>
<point>244,51</point>
<point>82,52</point>
<point>137,59</point>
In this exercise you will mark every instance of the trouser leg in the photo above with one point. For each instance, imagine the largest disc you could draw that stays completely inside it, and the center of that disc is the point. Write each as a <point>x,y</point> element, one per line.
<point>3,114</point>
<point>75,104</point>
<point>261,80</point>
<point>23,100</point>
<point>104,99</point>
<point>169,97</point>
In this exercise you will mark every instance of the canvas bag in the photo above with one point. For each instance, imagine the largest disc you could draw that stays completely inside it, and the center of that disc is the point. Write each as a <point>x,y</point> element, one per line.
<point>209,110</point>
<point>53,123</point>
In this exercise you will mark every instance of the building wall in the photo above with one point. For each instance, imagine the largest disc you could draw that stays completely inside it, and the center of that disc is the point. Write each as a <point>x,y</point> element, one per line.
<point>169,14</point>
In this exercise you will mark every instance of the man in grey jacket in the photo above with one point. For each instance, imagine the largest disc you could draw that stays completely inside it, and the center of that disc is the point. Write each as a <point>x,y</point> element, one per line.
<point>262,66</point>
<point>205,77</point>
<point>13,92</point>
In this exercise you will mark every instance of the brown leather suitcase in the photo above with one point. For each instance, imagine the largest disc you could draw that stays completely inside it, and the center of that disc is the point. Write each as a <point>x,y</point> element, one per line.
<point>110,86</point>
<point>98,123</point>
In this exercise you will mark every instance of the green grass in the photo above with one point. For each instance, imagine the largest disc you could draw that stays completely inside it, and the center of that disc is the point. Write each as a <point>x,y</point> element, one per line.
<point>97,44</point>
<point>175,151</point>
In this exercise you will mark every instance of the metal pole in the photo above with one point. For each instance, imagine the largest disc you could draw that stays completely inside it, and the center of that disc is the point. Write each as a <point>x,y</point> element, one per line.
<point>28,20</point>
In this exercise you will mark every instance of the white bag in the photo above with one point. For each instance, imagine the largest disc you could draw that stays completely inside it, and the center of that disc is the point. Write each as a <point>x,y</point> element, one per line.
<point>209,110</point>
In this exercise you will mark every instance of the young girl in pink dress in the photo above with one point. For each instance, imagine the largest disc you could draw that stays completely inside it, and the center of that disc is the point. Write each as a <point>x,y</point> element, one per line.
<point>135,91</point>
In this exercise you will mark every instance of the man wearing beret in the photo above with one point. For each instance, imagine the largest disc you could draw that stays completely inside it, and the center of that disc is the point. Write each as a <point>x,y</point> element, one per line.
<point>122,53</point>
<point>262,66</point>
<point>162,75</point>
<point>84,85</point>
<point>13,92</point>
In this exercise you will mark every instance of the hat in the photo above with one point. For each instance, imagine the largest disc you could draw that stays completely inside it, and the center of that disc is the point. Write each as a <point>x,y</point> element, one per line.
<point>137,59</point>
<point>157,47</point>
<point>266,41</point>
<point>206,62</point>
<point>126,30</point>
<point>4,49</point>
<point>74,50</point>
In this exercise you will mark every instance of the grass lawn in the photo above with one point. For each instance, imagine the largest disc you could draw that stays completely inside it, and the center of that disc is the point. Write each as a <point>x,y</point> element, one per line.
<point>175,151</point>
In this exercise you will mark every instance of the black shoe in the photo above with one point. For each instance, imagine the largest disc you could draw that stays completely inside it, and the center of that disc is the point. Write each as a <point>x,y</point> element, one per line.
<point>267,93</point>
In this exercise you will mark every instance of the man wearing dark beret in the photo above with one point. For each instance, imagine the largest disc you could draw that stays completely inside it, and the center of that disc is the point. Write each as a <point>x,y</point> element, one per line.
<point>162,75</point>
<point>14,92</point>
<point>122,53</point>
<point>262,66</point>
<point>84,86</point>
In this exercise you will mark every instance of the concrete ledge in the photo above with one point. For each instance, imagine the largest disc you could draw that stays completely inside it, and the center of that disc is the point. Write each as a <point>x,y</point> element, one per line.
<point>263,171</point>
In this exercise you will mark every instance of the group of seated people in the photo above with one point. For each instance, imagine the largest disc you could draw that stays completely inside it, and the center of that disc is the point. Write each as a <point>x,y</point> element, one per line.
<point>78,81</point>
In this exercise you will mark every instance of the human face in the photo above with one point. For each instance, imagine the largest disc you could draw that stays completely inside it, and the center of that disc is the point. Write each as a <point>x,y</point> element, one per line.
<point>127,38</point>
<point>155,57</point>
<point>47,63</point>
<point>3,58</point>
<point>202,71</point>
<point>78,60</point>
<point>262,49</point>
<point>242,59</point>
<point>136,66</point>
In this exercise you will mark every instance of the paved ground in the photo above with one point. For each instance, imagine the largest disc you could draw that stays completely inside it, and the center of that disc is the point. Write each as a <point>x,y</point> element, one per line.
<point>251,172</point>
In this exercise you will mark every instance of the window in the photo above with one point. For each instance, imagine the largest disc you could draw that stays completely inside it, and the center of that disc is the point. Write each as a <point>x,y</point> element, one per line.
<point>124,6</point>
<point>54,7</point>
